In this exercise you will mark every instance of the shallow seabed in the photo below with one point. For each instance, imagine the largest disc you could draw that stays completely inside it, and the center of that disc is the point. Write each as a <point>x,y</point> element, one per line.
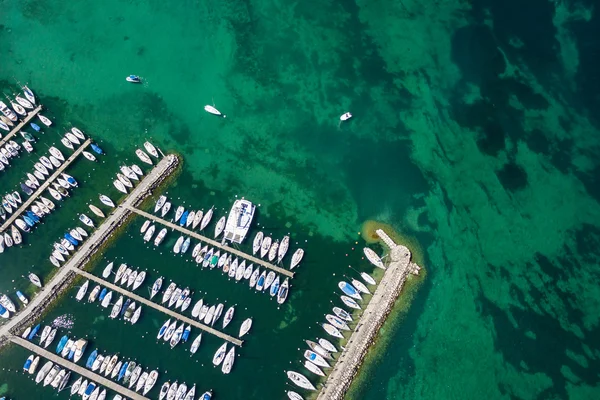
<point>475,132</point>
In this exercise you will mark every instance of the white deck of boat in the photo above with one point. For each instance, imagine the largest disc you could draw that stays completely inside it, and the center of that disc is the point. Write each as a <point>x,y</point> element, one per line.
<point>88,374</point>
<point>214,243</point>
<point>44,186</point>
<point>20,126</point>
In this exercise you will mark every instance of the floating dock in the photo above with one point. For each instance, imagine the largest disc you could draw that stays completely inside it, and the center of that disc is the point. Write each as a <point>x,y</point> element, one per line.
<point>160,308</point>
<point>20,126</point>
<point>214,243</point>
<point>374,315</point>
<point>88,374</point>
<point>93,243</point>
<point>44,186</point>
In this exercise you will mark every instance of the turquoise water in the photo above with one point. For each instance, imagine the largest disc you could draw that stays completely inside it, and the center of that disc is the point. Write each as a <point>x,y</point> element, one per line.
<point>474,133</point>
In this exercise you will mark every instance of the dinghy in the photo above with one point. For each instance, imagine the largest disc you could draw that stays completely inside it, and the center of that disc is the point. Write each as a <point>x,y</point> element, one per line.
<point>96,211</point>
<point>96,148</point>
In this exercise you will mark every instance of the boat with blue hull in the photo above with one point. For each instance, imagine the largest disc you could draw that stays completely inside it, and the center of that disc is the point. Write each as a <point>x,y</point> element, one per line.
<point>96,148</point>
<point>91,359</point>
<point>349,290</point>
<point>33,332</point>
<point>71,239</point>
<point>61,344</point>
<point>184,218</point>
<point>35,126</point>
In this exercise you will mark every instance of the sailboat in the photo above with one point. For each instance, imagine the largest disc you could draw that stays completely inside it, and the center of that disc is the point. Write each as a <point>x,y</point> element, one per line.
<point>214,111</point>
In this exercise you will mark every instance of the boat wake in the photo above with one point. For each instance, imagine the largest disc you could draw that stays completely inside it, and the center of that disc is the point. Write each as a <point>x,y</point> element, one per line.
<point>64,321</point>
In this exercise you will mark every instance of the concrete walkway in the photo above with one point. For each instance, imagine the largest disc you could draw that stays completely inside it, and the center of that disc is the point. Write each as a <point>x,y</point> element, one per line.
<point>20,126</point>
<point>349,362</point>
<point>214,243</point>
<point>88,374</point>
<point>44,185</point>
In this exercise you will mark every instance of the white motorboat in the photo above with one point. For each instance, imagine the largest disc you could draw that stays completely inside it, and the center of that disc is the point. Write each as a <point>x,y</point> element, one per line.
<point>156,287</point>
<point>45,120</point>
<point>220,354</point>
<point>133,79</point>
<point>345,116</point>
<point>77,132</point>
<point>265,246</point>
<point>88,155</point>
<point>143,156</point>
<point>106,200</point>
<point>246,325</point>
<point>214,111</point>
<point>145,226</point>
<point>300,380</point>
<point>327,345</point>
<point>229,360</point>
<point>151,149</point>
<point>296,258</point>
<point>165,209</point>
<point>160,203</point>
<point>256,244</point>
<point>177,246</point>
<point>149,233</point>
<point>160,237</point>
<point>119,185</point>
<point>206,218</point>
<point>124,180</point>
<point>373,258</point>
<point>283,248</point>
<point>239,221</point>
<point>86,220</point>
<point>219,227</point>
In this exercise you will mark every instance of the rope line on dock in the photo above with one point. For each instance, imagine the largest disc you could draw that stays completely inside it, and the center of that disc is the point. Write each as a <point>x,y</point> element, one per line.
<point>160,308</point>
<point>213,242</point>
<point>44,185</point>
<point>99,379</point>
<point>14,131</point>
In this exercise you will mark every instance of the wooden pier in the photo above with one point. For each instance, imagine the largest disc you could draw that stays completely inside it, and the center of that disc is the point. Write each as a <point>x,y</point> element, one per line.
<point>93,243</point>
<point>160,308</point>
<point>374,315</point>
<point>214,243</point>
<point>44,186</point>
<point>88,374</point>
<point>20,126</point>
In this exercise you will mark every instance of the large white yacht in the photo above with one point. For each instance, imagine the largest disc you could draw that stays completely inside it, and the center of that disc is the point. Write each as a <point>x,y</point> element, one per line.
<point>239,221</point>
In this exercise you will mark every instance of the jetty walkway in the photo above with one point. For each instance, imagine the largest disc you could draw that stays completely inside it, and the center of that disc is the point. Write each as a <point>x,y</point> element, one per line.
<point>214,243</point>
<point>44,186</point>
<point>20,126</point>
<point>94,242</point>
<point>160,308</point>
<point>348,364</point>
<point>98,379</point>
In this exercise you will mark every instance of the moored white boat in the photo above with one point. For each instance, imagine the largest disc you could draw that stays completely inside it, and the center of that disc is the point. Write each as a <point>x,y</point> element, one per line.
<point>256,244</point>
<point>296,258</point>
<point>373,258</point>
<point>300,380</point>
<point>87,155</point>
<point>106,200</point>
<point>45,120</point>
<point>220,354</point>
<point>143,156</point>
<point>332,330</point>
<point>212,110</point>
<point>246,325</point>
<point>151,149</point>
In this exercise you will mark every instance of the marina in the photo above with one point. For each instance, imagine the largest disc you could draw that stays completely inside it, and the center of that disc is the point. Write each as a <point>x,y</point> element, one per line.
<point>20,125</point>
<point>160,308</point>
<point>44,186</point>
<point>212,242</point>
<point>92,376</point>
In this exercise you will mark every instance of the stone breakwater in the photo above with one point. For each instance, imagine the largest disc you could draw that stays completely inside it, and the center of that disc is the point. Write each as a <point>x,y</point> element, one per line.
<point>375,314</point>
<point>63,278</point>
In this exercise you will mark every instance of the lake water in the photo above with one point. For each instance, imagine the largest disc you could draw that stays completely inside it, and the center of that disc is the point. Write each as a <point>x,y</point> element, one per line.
<point>475,136</point>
